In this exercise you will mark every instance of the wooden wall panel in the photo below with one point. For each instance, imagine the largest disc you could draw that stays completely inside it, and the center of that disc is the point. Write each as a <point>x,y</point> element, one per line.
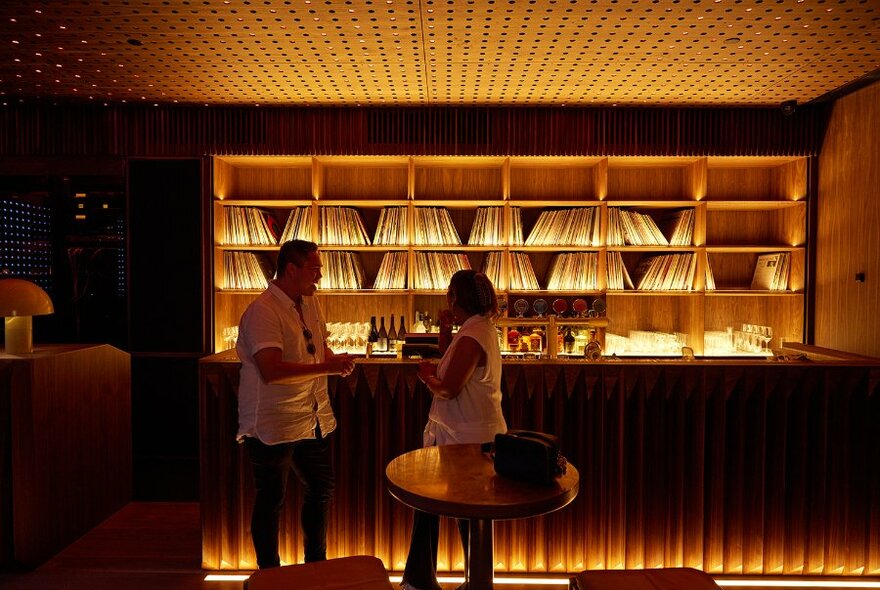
<point>848,227</point>
<point>65,421</point>
<point>136,130</point>
<point>758,468</point>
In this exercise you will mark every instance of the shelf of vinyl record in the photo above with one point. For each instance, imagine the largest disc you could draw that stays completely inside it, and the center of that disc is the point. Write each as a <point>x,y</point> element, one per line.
<point>644,251</point>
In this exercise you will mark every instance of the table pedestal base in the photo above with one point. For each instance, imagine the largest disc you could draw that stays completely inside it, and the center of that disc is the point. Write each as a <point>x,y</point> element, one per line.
<point>480,568</point>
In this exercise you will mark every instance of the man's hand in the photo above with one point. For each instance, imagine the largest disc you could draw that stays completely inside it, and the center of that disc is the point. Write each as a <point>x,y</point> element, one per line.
<point>341,364</point>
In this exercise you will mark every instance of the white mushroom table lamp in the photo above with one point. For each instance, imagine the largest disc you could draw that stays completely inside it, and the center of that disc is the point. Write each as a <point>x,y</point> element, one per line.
<point>19,301</point>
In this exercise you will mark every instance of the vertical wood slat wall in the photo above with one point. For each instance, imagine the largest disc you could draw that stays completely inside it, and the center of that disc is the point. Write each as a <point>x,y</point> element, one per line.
<point>730,468</point>
<point>139,130</point>
<point>848,228</point>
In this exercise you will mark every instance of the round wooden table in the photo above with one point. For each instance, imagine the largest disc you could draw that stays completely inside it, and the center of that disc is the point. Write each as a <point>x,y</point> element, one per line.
<point>460,481</point>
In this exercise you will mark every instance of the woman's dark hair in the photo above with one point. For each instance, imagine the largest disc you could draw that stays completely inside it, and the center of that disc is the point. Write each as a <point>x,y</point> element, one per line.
<point>474,292</point>
<point>295,251</point>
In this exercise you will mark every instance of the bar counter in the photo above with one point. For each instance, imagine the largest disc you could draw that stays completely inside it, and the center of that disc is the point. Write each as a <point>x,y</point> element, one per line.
<point>65,438</point>
<point>728,466</point>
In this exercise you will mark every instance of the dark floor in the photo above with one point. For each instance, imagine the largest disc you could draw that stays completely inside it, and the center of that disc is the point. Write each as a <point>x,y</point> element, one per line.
<point>144,546</point>
<point>157,545</point>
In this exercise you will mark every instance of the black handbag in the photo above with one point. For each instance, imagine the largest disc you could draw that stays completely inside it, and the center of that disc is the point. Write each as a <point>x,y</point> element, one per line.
<point>529,456</point>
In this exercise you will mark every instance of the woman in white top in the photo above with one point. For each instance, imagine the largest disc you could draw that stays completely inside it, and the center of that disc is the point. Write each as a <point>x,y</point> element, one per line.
<point>466,408</point>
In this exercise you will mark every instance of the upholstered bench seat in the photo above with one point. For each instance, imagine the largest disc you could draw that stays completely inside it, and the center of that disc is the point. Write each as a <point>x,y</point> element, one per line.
<point>361,572</point>
<point>681,578</point>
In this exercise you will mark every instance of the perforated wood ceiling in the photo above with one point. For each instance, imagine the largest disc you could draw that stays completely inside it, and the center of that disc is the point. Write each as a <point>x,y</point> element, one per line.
<point>421,52</point>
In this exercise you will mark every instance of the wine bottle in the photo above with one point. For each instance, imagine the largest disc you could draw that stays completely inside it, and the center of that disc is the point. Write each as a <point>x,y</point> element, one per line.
<point>568,341</point>
<point>392,336</point>
<point>372,337</point>
<point>382,344</point>
<point>401,332</point>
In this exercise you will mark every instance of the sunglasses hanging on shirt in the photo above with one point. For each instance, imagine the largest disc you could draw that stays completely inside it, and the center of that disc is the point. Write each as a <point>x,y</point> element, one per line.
<point>310,346</point>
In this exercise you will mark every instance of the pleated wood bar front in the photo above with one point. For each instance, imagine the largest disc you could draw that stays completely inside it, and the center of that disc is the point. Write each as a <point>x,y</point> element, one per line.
<point>732,467</point>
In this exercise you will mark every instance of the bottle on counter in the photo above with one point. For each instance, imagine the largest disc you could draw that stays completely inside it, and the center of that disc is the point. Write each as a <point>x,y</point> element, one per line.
<point>513,339</point>
<point>536,340</point>
<point>418,325</point>
<point>392,336</point>
<point>425,321</point>
<point>580,342</point>
<point>372,336</point>
<point>593,350</point>
<point>568,341</point>
<point>525,340</point>
<point>382,343</point>
<point>401,336</point>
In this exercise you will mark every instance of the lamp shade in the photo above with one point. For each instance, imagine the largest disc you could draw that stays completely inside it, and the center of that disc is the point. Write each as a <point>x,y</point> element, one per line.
<point>19,300</point>
<point>23,298</point>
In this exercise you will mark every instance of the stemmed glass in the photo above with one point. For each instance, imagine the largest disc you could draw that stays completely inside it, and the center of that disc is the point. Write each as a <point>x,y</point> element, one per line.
<point>766,337</point>
<point>362,334</point>
<point>230,336</point>
<point>350,331</point>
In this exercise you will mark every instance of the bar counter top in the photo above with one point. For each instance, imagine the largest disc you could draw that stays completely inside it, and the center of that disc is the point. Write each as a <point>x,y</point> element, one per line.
<point>811,356</point>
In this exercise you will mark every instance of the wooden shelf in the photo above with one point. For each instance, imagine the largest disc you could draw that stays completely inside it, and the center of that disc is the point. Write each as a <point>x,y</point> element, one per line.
<point>743,207</point>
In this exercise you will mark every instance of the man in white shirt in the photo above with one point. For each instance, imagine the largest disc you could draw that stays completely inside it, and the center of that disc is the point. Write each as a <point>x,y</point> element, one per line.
<point>284,412</point>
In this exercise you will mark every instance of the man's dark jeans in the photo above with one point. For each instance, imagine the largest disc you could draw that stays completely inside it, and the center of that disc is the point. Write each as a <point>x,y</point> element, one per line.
<point>310,459</point>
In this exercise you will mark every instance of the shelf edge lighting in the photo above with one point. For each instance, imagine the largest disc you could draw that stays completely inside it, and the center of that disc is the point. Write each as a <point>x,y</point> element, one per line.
<point>564,581</point>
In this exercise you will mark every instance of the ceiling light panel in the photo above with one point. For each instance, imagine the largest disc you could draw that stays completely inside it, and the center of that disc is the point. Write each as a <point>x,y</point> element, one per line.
<point>455,52</point>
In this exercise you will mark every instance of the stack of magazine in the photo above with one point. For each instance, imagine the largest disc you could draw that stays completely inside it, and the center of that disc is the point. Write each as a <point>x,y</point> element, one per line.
<point>493,267</point>
<point>488,228</point>
<point>342,226</point>
<point>516,232</point>
<point>392,272</point>
<point>710,276</point>
<point>617,276</point>
<point>665,272</point>
<point>245,270</point>
<point>626,227</point>
<point>522,275</point>
<point>566,227</point>
<point>575,271</point>
<point>681,224</point>
<point>771,272</point>
<point>433,227</point>
<point>249,226</point>
<point>432,270</point>
<point>299,225</point>
<point>391,230</point>
<point>342,270</point>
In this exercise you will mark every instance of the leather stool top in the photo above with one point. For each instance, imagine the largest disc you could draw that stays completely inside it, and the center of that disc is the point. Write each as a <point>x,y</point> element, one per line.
<point>361,572</point>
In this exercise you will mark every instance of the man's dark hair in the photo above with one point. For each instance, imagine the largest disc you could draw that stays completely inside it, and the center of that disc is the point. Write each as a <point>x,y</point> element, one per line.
<point>295,251</point>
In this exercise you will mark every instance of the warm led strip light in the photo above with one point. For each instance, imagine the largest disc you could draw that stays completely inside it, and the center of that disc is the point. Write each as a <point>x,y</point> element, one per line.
<point>227,577</point>
<point>777,583</point>
<point>509,580</point>
<point>724,582</point>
